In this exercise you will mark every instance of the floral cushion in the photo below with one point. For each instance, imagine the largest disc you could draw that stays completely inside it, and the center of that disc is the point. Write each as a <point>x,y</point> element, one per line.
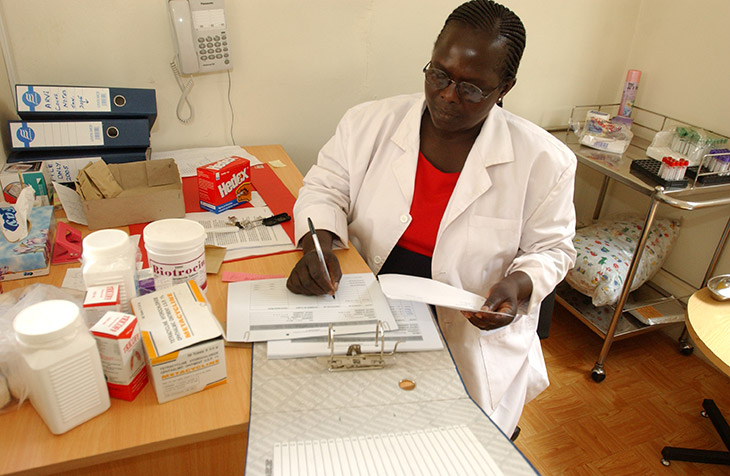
<point>604,255</point>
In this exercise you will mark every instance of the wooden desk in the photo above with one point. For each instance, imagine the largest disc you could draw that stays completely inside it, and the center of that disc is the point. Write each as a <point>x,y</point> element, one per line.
<point>708,322</point>
<point>200,434</point>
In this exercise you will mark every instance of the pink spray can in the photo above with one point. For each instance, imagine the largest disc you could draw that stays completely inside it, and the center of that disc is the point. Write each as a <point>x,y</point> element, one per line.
<point>629,95</point>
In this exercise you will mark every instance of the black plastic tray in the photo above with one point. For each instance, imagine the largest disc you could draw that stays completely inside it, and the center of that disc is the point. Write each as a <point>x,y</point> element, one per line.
<point>707,179</point>
<point>648,169</point>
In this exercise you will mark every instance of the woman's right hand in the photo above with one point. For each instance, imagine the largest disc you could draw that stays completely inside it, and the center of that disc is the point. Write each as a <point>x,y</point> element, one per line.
<point>308,276</point>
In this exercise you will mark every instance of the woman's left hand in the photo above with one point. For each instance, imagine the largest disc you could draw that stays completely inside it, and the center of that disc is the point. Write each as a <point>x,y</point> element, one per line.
<point>504,298</point>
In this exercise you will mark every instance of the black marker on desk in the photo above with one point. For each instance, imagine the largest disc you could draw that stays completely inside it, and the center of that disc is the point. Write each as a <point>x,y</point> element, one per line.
<point>318,248</point>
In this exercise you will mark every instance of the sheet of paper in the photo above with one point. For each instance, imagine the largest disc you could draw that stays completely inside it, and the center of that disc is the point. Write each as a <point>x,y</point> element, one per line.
<point>416,332</point>
<point>219,233</point>
<point>446,450</point>
<point>234,277</point>
<point>266,310</point>
<point>413,288</point>
<point>74,279</point>
<point>188,160</point>
<point>241,253</point>
<point>71,203</point>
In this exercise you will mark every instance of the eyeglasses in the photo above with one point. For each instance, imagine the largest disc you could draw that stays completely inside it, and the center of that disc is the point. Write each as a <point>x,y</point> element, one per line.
<point>466,91</point>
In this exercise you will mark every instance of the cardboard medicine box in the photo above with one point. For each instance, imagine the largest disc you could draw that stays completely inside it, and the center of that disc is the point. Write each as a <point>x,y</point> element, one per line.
<point>183,341</point>
<point>122,356</point>
<point>151,190</point>
<point>31,255</point>
<point>224,184</point>
<point>14,177</point>
<point>99,300</point>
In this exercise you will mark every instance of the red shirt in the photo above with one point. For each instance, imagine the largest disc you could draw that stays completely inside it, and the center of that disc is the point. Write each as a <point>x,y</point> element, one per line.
<point>433,189</point>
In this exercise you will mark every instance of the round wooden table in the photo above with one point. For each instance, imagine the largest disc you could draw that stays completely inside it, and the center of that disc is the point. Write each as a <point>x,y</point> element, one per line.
<point>708,322</point>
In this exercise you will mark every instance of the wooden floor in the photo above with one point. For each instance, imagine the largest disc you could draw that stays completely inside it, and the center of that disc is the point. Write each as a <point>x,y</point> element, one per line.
<point>651,398</point>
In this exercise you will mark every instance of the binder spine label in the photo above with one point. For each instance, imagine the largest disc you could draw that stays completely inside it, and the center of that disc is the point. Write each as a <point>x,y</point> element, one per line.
<point>62,99</point>
<point>56,134</point>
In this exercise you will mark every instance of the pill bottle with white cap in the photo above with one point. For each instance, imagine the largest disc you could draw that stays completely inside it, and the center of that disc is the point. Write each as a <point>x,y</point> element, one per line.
<point>60,364</point>
<point>176,251</point>
<point>109,257</point>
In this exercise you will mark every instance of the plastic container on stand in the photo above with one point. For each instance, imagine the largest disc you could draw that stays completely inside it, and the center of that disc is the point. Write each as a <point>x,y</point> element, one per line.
<point>61,364</point>
<point>109,257</point>
<point>176,251</point>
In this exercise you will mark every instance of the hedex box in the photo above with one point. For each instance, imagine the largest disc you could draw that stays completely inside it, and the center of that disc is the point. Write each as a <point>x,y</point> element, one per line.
<point>183,341</point>
<point>122,356</point>
<point>224,184</point>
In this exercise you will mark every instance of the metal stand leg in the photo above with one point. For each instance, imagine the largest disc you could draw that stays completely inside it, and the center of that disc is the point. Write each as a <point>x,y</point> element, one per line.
<point>598,373</point>
<point>684,346</point>
<point>670,453</point>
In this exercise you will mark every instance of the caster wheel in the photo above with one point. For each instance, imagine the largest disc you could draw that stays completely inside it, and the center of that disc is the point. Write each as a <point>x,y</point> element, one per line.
<point>704,414</point>
<point>686,349</point>
<point>666,462</point>
<point>598,376</point>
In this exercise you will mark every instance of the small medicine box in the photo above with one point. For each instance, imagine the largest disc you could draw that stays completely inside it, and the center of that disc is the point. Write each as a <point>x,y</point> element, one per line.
<point>30,255</point>
<point>224,184</point>
<point>99,300</point>
<point>183,341</point>
<point>122,356</point>
<point>14,177</point>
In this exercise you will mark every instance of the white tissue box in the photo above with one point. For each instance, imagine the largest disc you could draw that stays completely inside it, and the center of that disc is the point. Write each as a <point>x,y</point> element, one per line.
<point>29,256</point>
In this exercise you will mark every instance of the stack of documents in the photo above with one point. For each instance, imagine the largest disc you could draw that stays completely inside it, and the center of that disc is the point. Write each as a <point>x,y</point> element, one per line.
<point>240,243</point>
<point>298,326</point>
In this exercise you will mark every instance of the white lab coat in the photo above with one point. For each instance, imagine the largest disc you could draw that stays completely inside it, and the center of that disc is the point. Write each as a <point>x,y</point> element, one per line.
<point>512,209</point>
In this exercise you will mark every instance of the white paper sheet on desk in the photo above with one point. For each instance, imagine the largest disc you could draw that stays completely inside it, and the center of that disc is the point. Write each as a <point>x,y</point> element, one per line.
<point>413,288</point>
<point>188,160</point>
<point>416,332</point>
<point>232,237</point>
<point>266,310</point>
<point>71,203</point>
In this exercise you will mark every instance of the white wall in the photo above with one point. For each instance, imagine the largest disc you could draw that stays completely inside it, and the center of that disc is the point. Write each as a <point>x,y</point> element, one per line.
<point>299,64</point>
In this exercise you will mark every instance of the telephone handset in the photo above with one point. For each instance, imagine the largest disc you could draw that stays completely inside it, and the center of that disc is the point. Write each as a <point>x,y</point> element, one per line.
<point>200,36</point>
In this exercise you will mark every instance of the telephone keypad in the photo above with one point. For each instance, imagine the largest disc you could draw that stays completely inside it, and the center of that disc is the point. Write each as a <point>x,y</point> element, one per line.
<point>214,48</point>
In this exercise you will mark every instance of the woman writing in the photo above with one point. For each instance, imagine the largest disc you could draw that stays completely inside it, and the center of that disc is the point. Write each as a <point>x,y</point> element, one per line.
<point>444,185</point>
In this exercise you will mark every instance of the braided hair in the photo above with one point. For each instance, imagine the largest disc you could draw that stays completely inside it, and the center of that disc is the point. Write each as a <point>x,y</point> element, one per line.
<point>497,20</point>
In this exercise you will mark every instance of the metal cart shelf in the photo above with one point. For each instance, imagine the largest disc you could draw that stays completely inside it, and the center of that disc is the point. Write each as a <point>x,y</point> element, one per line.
<point>614,322</point>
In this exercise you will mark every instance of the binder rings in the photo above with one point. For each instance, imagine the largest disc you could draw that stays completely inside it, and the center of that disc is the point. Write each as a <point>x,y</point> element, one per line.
<point>92,134</point>
<point>41,102</point>
<point>64,165</point>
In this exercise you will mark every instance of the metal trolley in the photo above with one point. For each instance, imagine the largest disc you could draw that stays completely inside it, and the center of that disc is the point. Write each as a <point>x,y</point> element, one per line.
<point>614,322</point>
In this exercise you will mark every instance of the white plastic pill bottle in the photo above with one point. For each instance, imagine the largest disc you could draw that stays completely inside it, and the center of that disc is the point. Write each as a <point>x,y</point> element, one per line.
<point>61,364</point>
<point>176,251</point>
<point>109,257</point>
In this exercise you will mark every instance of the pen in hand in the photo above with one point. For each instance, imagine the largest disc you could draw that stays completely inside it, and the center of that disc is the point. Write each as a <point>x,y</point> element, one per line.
<point>318,248</point>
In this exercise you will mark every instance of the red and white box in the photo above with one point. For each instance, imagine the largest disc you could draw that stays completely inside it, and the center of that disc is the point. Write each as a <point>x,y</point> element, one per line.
<point>122,354</point>
<point>99,300</point>
<point>224,184</point>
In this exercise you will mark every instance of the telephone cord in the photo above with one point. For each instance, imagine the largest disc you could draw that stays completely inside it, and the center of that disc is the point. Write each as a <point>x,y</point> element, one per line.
<point>185,90</point>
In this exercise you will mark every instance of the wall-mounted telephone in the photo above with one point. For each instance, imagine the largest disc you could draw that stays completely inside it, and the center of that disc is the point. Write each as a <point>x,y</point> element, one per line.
<point>200,36</point>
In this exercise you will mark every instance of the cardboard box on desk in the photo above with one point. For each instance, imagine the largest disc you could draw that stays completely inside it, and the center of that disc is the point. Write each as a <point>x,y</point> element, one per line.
<point>29,256</point>
<point>183,341</point>
<point>151,190</point>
